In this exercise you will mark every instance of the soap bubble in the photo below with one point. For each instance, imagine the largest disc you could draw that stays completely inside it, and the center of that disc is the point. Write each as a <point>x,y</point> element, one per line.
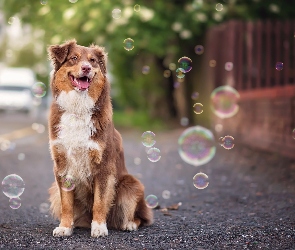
<point>224,101</point>
<point>166,194</point>
<point>212,63</point>
<point>13,186</point>
<point>68,183</point>
<point>219,7</point>
<point>172,66</point>
<point>199,49</point>
<point>21,156</point>
<point>145,70</point>
<point>185,63</point>
<point>200,181</point>
<point>195,95</point>
<point>180,73</point>
<point>148,139</point>
<point>154,154</point>
<point>128,44</point>
<point>196,145</point>
<point>44,208</point>
<point>167,73</point>
<point>227,142</point>
<point>279,66</point>
<point>198,108</point>
<point>136,8</point>
<point>184,121</point>
<point>11,20</point>
<point>15,203</point>
<point>228,66</point>
<point>116,13</point>
<point>151,201</point>
<point>43,2</point>
<point>39,89</point>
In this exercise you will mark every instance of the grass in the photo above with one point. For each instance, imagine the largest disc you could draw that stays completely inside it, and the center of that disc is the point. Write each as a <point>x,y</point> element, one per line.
<point>133,119</point>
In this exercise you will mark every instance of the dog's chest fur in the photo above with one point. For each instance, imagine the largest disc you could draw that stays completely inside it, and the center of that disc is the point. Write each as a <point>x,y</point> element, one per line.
<point>74,132</point>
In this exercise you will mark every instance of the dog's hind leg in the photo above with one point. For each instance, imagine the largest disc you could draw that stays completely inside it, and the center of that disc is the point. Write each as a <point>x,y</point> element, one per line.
<point>130,210</point>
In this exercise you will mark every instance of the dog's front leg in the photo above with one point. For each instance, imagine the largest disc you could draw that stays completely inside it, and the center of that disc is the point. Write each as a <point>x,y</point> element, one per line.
<point>67,212</point>
<point>104,190</point>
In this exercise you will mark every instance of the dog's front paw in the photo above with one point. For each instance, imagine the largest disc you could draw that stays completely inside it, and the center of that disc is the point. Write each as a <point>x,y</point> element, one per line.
<point>62,231</point>
<point>98,229</point>
<point>130,226</point>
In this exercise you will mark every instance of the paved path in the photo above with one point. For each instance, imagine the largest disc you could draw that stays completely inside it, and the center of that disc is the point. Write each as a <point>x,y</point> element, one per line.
<point>249,203</point>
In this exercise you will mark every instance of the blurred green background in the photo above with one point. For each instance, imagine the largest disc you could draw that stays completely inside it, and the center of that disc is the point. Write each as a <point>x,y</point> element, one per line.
<point>162,30</point>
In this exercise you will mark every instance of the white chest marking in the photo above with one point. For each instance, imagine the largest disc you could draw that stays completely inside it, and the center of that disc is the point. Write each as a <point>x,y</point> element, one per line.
<point>75,130</point>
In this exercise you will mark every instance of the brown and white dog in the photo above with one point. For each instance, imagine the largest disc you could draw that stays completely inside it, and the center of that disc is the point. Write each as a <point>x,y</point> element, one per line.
<point>85,145</point>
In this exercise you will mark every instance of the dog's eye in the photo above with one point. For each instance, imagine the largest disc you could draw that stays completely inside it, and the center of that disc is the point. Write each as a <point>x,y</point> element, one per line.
<point>74,58</point>
<point>92,60</point>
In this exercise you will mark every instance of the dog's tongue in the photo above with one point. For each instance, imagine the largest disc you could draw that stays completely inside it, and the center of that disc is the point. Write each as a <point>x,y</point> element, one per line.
<point>83,83</point>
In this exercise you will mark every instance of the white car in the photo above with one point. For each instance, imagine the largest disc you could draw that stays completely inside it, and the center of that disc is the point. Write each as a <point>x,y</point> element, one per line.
<point>15,89</point>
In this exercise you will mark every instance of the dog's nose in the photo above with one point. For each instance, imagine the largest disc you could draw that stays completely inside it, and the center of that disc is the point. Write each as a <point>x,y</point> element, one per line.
<point>85,68</point>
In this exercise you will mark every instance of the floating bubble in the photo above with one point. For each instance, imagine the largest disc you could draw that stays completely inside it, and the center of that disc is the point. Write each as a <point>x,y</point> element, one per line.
<point>145,70</point>
<point>195,95</point>
<point>279,66</point>
<point>128,44</point>
<point>166,194</point>
<point>68,183</point>
<point>5,144</point>
<point>219,7</point>
<point>116,13</point>
<point>44,208</point>
<point>148,139</point>
<point>154,154</point>
<point>220,141</point>
<point>293,133</point>
<point>13,186</point>
<point>198,108</point>
<point>11,20</point>
<point>224,101</point>
<point>15,203</point>
<point>228,66</point>
<point>136,8</point>
<point>196,145</point>
<point>176,85</point>
<point>167,73</point>
<point>137,161</point>
<point>199,49</point>
<point>172,66</point>
<point>218,127</point>
<point>151,201</point>
<point>200,181</point>
<point>43,2</point>
<point>184,121</point>
<point>227,142</point>
<point>212,63</point>
<point>21,156</point>
<point>39,89</point>
<point>73,1</point>
<point>185,64</point>
<point>180,73</point>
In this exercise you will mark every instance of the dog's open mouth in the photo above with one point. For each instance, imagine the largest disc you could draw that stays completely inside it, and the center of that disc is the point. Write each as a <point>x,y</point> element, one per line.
<point>81,83</point>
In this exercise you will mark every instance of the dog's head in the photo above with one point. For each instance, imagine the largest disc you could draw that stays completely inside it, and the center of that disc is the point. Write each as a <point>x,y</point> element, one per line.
<point>77,67</point>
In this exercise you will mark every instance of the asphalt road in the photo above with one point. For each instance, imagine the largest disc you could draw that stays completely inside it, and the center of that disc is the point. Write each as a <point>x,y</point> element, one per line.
<point>249,203</point>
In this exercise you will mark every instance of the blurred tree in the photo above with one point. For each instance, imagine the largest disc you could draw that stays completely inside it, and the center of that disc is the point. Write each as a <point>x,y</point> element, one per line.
<point>163,31</point>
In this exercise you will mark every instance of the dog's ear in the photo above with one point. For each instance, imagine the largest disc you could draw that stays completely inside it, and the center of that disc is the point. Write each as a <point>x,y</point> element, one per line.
<point>58,53</point>
<point>102,57</point>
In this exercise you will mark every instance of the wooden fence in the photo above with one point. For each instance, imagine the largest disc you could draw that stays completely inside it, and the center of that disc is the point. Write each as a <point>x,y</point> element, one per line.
<point>267,96</point>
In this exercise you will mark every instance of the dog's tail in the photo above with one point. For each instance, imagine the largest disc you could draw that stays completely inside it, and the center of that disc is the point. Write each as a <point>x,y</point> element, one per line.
<point>144,213</point>
<point>54,198</point>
